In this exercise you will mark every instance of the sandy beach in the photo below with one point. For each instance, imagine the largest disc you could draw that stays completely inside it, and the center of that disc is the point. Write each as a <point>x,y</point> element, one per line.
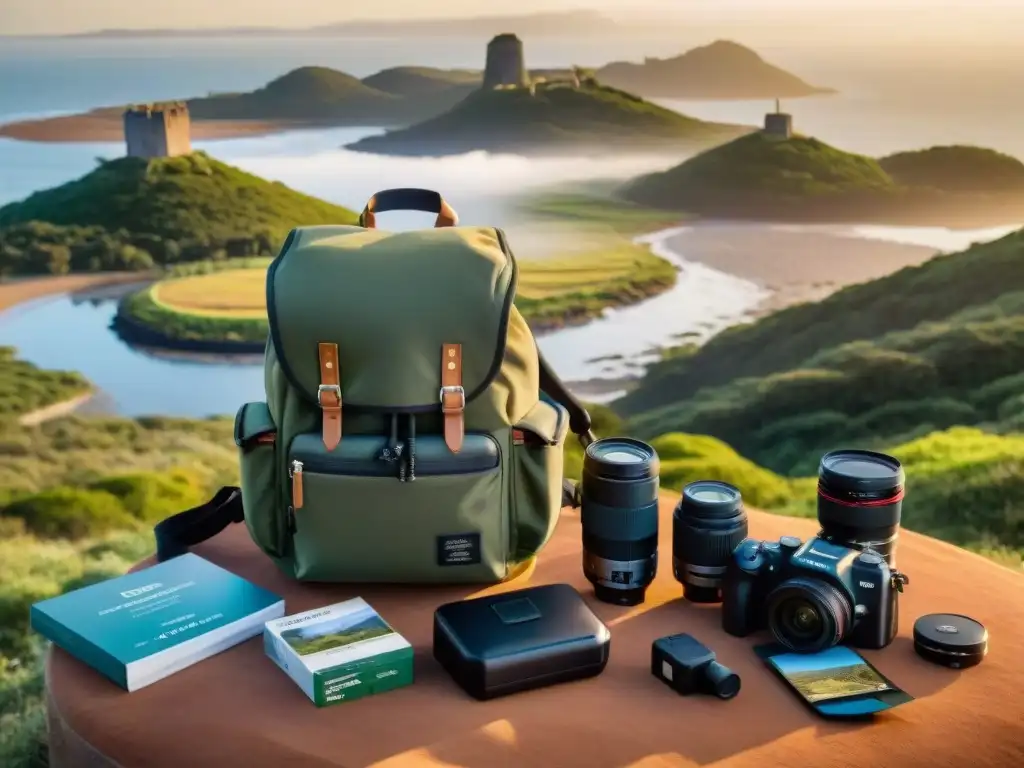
<point>105,125</point>
<point>26,289</point>
<point>795,266</point>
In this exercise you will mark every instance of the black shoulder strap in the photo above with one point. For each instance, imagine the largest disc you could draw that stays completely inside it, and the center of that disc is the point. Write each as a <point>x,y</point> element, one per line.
<point>179,532</point>
<point>579,421</point>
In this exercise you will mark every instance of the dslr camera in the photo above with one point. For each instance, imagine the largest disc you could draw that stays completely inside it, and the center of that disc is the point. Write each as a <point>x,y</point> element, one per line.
<point>811,595</point>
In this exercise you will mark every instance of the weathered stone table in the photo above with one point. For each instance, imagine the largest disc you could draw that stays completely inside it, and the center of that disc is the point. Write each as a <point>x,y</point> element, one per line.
<point>239,709</point>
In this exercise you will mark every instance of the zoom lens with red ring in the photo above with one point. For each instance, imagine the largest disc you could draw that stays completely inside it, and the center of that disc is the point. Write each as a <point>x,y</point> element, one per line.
<point>860,500</point>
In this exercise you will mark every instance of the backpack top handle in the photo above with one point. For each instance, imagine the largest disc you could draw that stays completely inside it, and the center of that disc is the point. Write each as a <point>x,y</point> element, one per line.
<point>408,199</point>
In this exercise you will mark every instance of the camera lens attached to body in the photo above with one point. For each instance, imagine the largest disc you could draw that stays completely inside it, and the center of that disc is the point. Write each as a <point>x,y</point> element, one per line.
<point>807,615</point>
<point>708,523</point>
<point>860,500</point>
<point>619,515</point>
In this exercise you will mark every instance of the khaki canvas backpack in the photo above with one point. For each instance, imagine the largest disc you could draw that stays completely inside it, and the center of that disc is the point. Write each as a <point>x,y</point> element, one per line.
<point>411,432</point>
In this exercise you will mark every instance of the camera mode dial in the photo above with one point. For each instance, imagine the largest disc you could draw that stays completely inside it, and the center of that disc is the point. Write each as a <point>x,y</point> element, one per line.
<point>749,555</point>
<point>789,545</point>
<point>870,558</point>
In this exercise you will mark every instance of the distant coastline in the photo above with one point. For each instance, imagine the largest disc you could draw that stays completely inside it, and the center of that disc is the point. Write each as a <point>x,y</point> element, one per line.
<point>21,290</point>
<point>105,125</point>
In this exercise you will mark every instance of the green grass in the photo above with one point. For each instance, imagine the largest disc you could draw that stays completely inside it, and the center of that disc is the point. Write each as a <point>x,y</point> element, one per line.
<point>33,570</point>
<point>801,178</point>
<point>173,209</point>
<point>978,284</point>
<point>79,452</point>
<point>935,376</point>
<point>551,293</point>
<point>327,642</point>
<point>557,118</point>
<point>306,647</point>
<point>621,216</point>
<point>78,499</point>
<point>25,388</point>
<point>956,168</point>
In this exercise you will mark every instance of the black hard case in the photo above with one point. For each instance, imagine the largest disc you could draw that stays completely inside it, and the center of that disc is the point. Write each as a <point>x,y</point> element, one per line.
<point>501,644</point>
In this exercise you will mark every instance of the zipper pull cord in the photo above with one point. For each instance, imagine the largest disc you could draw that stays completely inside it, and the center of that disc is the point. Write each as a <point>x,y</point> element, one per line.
<point>400,449</point>
<point>412,447</point>
<point>392,450</point>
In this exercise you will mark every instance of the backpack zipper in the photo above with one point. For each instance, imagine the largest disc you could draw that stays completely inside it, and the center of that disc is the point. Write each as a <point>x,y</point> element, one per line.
<point>295,473</point>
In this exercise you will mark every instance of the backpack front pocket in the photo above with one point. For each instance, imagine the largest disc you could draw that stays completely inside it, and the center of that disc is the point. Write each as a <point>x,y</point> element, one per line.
<point>354,520</point>
<point>536,464</point>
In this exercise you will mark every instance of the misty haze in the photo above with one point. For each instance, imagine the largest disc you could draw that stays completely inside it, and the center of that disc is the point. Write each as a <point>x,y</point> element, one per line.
<point>745,233</point>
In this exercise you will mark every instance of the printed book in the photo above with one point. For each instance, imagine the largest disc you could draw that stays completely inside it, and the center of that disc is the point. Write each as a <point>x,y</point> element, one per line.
<point>339,653</point>
<point>143,626</point>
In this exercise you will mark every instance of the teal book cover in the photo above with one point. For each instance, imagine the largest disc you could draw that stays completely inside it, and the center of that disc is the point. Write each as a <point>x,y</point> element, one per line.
<point>141,627</point>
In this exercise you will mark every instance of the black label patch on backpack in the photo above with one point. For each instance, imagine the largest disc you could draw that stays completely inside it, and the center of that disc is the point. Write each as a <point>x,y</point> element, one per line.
<point>458,549</point>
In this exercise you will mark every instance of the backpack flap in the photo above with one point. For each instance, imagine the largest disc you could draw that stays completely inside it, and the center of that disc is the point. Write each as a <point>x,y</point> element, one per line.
<point>546,424</point>
<point>254,424</point>
<point>390,302</point>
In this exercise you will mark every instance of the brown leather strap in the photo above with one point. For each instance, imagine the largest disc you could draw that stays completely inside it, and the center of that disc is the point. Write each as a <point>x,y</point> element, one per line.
<point>446,218</point>
<point>329,395</point>
<point>453,396</point>
<point>446,215</point>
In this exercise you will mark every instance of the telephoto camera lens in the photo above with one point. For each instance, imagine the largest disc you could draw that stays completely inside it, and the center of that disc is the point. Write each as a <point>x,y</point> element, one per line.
<point>709,522</point>
<point>619,513</point>
<point>860,499</point>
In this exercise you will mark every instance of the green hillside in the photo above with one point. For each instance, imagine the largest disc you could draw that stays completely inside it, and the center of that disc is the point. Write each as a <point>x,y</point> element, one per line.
<point>934,347</point>
<point>956,168</point>
<point>972,280</point>
<point>173,209</point>
<point>324,96</point>
<point>763,177</point>
<point>556,118</point>
<point>721,70</point>
<point>25,388</point>
<point>414,81</point>
<point>905,384</point>
<point>304,94</point>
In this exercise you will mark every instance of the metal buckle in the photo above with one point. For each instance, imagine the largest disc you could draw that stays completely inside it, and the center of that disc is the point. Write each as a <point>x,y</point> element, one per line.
<point>327,388</point>
<point>453,390</point>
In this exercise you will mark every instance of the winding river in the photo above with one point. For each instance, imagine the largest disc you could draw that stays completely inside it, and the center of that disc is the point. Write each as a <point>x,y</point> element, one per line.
<point>73,333</point>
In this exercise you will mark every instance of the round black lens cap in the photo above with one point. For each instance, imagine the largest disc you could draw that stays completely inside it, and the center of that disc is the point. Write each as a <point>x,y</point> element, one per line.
<point>950,639</point>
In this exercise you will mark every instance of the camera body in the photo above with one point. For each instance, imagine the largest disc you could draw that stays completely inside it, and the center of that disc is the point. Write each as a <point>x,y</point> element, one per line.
<point>853,592</point>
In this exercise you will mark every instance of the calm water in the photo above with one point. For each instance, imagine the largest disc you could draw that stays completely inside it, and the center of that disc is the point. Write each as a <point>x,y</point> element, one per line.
<point>885,105</point>
<point>62,333</point>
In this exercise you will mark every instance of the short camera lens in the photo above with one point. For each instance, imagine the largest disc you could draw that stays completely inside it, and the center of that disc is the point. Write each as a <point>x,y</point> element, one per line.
<point>709,522</point>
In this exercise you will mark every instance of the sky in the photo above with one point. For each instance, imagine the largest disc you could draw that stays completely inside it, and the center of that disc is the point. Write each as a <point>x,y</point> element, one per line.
<point>837,656</point>
<point>910,20</point>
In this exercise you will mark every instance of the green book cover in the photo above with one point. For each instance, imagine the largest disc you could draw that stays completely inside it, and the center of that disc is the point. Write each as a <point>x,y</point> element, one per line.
<point>144,626</point>
<point>340,652</point>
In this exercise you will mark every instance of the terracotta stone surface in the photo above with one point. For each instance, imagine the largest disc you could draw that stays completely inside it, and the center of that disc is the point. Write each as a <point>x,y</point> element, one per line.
<point>239,709</point>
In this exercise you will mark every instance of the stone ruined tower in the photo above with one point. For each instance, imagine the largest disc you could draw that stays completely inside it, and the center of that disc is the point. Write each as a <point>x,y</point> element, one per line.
<point>506,65</point>
<point>778,124</point>
<point>157,130</point>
